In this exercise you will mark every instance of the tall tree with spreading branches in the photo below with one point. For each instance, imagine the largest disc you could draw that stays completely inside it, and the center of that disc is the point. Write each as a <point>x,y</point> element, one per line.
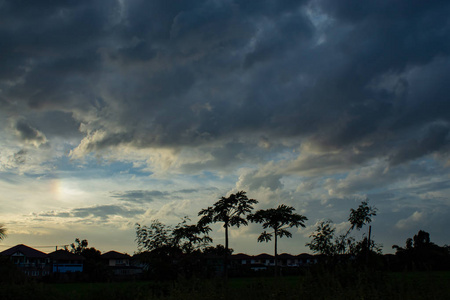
<point>279,220</point>
<point>232,211</point>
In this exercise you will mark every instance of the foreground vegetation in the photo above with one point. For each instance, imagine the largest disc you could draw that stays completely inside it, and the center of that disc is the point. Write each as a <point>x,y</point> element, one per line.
<point>316,284</point>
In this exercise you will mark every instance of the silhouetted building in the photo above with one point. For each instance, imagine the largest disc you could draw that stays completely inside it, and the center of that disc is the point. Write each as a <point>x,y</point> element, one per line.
<point>63,261</point>
<point>30,261</point>
<point>120,265</point>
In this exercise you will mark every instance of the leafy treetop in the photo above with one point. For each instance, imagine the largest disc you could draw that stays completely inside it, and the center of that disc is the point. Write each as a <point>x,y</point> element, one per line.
<point>229,210</point>
<point>278,219</point>
<point>362,215</point>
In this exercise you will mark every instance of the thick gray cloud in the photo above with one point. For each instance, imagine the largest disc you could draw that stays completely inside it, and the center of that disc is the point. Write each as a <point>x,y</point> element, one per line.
<point>367,80</point>
<point>30,134</point>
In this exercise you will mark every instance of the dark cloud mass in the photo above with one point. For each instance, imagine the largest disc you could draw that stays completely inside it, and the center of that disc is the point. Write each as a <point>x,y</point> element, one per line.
<point>341,75</point>
<point>30,134</point>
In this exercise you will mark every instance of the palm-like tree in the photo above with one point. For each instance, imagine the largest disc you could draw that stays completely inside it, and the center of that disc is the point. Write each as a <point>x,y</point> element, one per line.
<point>229,210</point>
<point>2,232</point>
<point>278,219</point>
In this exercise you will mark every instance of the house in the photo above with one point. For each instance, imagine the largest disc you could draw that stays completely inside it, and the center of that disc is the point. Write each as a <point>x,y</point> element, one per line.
<point>287,260</point>
<point>241,259</point>
<point>306,259</point>
<point>63,261</point>
<point>30,261</point>
<point>119,263</point>
<point>264,260</point>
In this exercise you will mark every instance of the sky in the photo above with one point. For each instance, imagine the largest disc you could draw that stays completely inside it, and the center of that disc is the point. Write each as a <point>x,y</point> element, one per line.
<point>117,112</point>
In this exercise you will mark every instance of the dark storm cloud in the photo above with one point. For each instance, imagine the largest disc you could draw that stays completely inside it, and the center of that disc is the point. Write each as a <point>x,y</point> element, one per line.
<point>434,138</point>
<point>30,134</point>
<point>50,55</point>
<point>342,75</point>
<point>67,126</point>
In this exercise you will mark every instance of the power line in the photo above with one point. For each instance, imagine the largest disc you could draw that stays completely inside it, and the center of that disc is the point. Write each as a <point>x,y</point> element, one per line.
<point>32,246</point>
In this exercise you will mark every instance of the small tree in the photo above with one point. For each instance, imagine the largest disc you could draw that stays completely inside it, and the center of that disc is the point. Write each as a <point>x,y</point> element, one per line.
<point>229,210</point>
<point>362,215</point>
<point>79,246</point>
<point>322,239</point>
<point>325,242</point>
<point>152,237</point>
<point>278,219</point>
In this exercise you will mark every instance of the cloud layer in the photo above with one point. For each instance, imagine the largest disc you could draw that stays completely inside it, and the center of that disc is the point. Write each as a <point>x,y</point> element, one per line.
<point>308,100</point>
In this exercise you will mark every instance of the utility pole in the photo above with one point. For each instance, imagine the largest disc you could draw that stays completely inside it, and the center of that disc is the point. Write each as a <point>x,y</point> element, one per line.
<point>368,245</point>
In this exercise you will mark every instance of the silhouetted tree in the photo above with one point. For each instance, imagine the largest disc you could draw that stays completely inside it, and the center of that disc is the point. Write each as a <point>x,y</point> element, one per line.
<point>218,250</point>
<point>322,239</point>
<point>421,239</point>
<point>278,219</point>
<point>231,211</point>
<point>2,232</point>
<point>420,253</point>
<point>152,237</point>
<point>358,218</point>
<point>190,237</point>
<point>172,251</point>
<point>78,246</point>
<point>325,242</point>
<point>362,215</point>
<point>163,262</point>
<point>94,266</point>
<point>184,236</point>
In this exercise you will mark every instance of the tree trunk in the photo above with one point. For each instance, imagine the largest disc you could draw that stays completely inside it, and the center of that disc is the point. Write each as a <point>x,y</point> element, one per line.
<point>225,264</point>
<point>276,254</point>
<point>368,246</point>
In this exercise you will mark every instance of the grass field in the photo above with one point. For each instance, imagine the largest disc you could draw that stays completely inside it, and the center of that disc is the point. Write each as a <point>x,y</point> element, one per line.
<point>322,285</point>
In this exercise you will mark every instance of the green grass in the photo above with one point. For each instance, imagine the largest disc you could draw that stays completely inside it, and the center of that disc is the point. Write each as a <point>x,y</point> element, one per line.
<point>341,284</point>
